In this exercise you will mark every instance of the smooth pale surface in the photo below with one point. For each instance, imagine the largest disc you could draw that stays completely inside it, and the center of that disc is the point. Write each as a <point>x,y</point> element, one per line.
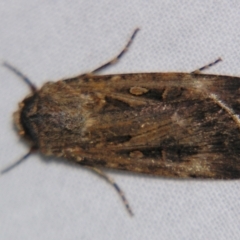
<point>49,40</point>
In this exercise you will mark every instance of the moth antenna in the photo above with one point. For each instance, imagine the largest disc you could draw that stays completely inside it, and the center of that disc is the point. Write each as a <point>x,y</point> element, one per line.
<point>117,188</point>
<point>18,162</point>
<point>21,75</point>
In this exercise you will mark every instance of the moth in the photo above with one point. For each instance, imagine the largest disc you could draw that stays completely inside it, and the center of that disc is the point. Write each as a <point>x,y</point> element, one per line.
<point>183,125</point>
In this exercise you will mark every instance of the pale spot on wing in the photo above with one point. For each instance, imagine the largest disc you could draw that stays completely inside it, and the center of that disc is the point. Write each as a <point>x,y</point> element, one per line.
<point>178,119</point>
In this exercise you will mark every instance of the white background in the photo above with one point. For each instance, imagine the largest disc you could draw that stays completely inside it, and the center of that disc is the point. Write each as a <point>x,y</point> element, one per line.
<point>45,198</point>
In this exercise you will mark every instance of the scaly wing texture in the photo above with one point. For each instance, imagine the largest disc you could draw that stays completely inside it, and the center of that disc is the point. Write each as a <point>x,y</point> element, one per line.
<point>173,125</point>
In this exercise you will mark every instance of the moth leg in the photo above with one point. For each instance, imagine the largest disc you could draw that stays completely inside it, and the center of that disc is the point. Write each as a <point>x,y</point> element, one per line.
<point>116,59</point>
<point>114,184</point>
<point>207,66</point>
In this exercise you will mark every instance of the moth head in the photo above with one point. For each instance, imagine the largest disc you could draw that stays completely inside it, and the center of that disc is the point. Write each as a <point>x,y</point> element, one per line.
<point>23,119</point>
<point>20,117</point>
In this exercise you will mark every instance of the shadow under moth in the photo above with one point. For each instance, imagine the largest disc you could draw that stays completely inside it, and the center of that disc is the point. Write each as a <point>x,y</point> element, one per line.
<point>184,125</point>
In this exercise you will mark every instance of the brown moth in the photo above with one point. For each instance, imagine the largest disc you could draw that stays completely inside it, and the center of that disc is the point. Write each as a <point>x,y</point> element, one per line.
<point>184,125</point>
